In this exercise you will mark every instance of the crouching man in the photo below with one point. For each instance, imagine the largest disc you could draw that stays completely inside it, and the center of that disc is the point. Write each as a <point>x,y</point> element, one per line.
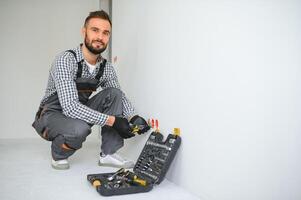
<point>67,112</point>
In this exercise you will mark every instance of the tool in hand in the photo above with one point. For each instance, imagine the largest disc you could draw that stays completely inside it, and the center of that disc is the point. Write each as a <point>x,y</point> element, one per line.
<point>138,125</point>
<point>136,128</point>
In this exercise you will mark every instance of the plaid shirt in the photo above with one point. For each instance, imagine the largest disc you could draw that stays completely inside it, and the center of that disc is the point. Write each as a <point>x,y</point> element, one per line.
<point>62,80</point>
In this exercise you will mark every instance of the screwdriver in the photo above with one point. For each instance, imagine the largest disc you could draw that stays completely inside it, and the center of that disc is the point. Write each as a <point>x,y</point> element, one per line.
<point>133,179</point>
<point>96,182</point>
<point>112,177</point>
<point>176,131</point>
<point>157,125</point>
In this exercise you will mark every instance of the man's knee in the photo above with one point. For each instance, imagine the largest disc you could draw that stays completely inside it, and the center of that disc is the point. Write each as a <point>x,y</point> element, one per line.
<point>114,91</point>
<point>81,131</point>
<point>108,101</point>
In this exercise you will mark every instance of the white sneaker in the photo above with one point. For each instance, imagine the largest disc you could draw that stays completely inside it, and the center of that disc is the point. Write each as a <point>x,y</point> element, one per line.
<point>60,164</point>
<point>115,160</point>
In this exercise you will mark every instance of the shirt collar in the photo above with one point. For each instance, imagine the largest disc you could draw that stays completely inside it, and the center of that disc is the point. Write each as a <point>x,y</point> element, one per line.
<point>80,58</point>
<point>80,55</point>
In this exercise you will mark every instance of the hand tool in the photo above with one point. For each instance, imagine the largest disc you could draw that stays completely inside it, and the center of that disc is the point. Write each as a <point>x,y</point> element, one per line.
<point>157,126</point>
<point>134,180</point>
<point>136,128</point>
<point>176,131</point>
<point>150,175</point>
<point>153,123</point>
<point>112,177</point>
<point>96,182</point>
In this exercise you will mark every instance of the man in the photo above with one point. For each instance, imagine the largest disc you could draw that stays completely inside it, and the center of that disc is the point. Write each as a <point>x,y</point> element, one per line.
<point>67,111</point>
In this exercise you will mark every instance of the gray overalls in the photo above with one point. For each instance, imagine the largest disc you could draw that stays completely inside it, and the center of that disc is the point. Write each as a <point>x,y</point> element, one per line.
<point>52,125</point>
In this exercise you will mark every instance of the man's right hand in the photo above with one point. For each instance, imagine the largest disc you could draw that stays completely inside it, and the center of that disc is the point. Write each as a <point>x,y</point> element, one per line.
<point>122,126</point>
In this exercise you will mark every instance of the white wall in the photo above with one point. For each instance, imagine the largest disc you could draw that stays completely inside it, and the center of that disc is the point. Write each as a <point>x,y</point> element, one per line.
<point>32,33</point>
<point>106,6</point>
<point>228,74</point>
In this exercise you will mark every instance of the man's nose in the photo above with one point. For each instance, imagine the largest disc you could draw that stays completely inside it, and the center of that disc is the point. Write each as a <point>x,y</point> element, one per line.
<point>100,36</point>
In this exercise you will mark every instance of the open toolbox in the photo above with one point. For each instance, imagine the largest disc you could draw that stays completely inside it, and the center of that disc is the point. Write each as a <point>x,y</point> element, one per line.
<point>150,168</point>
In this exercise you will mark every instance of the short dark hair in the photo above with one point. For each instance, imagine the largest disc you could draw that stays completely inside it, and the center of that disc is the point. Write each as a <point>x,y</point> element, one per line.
<point>101,14</point>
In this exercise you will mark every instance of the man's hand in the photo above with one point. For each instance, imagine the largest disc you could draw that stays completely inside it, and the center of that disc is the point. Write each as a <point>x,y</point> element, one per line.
<point>110,121</point>
<point>122,126</point>
<point>140,124</point>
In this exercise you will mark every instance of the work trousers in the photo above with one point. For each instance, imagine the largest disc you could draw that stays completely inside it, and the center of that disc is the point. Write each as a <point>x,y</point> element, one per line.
<point>53,125</point>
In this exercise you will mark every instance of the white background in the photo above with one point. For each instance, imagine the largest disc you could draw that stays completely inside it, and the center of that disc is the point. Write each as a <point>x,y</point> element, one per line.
<point>32,33</point>
<point>226,72</point>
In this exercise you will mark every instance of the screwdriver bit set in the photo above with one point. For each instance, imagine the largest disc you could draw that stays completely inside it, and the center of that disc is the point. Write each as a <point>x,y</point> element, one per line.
<point>150,168</point>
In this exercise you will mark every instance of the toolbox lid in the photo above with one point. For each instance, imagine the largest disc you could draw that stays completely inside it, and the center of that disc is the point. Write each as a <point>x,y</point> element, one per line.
<point>156,157</point>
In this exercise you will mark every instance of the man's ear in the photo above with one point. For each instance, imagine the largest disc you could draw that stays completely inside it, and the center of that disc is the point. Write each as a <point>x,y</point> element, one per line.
<point>83,31</point>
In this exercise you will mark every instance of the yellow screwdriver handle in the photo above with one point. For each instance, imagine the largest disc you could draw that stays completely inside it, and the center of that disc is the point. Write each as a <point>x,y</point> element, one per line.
<point>96,183</point>
<point>135,129</point>
<point>140,181</point>
<point>176,131</point>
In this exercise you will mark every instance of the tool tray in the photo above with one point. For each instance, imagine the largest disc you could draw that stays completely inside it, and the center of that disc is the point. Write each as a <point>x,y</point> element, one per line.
<point>150,168</point>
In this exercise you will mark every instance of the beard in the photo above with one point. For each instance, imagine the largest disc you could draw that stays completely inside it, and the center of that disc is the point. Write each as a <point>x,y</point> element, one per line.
<point>95,51</point>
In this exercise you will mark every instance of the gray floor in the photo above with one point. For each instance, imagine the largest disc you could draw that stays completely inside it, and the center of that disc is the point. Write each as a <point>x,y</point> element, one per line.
<point>26,174</point>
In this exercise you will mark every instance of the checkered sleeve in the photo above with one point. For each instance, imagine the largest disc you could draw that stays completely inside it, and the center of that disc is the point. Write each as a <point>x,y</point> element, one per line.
<point>65,85</point>
<point>112,81</point>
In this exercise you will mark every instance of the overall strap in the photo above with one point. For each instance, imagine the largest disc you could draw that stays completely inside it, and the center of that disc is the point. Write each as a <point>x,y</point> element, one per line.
<point>101,69</point>
<point>79,65</point>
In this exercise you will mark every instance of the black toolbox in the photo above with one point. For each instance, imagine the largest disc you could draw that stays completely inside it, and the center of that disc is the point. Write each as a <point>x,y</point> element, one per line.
<point>150,168</point>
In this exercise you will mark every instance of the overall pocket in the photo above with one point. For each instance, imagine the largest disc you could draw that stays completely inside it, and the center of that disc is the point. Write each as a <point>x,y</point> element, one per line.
<point>40,126</point>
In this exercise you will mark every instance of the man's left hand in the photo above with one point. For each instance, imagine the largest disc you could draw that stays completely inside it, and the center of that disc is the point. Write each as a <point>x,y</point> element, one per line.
<point>139,124</point>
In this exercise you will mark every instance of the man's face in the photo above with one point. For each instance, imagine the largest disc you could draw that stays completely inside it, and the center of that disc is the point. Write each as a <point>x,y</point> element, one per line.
<point>96,35</point>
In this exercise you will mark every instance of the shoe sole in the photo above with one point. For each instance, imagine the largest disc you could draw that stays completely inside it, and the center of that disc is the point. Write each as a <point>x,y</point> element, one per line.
<point>61,167</point>
<point>116,166</point>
